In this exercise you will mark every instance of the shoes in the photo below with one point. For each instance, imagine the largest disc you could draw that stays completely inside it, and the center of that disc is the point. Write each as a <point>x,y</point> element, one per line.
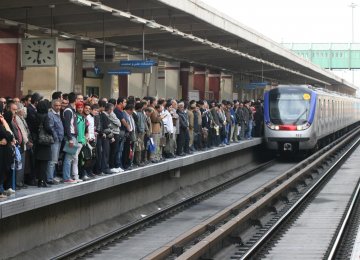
<point>141,164</point>
<point>227,143</point>
<point>3,196</point>
<point>119,169</point>
<point>50,182</point>
<point>85,178</point>
<point>42,184</point>
<point>101,174</point>
<point>78,180</point>
<point>182,154</point>
<point>221,145</point>
<point>9,192</point>
<point>114,170</point>
<point>91,175</point>
<point>31,183</point>
<point>70,181</point>
<point>154,161</point>
<point>57,180</point>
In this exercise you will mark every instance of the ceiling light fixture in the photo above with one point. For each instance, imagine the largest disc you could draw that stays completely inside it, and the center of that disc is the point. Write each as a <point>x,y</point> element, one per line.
<point>152,24</point>
<point>121,14</point>
<point>81,2</point>
<point>138,20</point>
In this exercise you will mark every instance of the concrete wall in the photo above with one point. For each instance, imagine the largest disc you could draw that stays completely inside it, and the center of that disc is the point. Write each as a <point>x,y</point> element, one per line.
<point>172,79</point>
<point>27,230</point>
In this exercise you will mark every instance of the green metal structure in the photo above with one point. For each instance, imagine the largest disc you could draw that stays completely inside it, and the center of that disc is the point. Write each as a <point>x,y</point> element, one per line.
<point>329,55</point>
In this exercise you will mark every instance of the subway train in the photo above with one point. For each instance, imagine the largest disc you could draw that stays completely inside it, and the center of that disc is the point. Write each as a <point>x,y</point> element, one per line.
<point>303,118</point>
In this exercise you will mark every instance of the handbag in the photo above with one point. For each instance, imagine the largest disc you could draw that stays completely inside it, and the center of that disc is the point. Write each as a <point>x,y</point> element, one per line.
<point>44,137</point>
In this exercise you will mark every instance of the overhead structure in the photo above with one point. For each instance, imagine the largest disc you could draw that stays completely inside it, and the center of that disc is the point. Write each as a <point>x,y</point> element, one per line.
<point>186,30</point>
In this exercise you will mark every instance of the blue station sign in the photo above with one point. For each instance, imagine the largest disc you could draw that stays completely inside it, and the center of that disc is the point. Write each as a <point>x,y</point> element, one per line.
<point>119,72</point>
<point>137,63</point>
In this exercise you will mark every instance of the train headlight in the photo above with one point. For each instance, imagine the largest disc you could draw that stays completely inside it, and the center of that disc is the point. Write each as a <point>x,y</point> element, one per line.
<point>303,127</point>
<point>272,126</point>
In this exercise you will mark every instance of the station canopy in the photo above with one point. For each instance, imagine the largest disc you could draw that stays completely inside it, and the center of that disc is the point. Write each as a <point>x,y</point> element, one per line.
<point>188,31</point>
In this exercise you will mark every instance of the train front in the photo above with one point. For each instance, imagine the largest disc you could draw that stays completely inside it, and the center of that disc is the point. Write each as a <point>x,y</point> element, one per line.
<point>289,115</point>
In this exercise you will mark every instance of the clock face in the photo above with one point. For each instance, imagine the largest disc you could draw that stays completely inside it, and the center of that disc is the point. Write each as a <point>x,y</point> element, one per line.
<point>38,52</point>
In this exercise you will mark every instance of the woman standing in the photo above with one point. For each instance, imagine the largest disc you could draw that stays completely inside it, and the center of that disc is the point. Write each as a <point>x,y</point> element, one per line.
<point>43,152</point>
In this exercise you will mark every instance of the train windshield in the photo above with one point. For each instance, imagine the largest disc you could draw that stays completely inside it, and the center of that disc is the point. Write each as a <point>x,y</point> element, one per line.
<point>289,106</point>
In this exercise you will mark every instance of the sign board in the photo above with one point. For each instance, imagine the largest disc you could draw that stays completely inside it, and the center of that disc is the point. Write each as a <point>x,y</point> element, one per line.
<point>255,85</point>
<point>137,63</point>
<point>119,72</point>
<point>194,95</point>
<point>235,96</point>
<point>97,70</point>
<point>137,69</point>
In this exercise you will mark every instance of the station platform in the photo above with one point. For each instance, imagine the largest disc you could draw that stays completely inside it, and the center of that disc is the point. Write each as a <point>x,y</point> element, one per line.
<point>54,215</point>
<point>34,197</point>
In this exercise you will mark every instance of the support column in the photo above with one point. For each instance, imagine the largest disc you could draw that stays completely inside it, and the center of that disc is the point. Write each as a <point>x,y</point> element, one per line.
<point>199,81</point>
<point>214,84</point>
<point>11,74</point>
<point>184,80</point>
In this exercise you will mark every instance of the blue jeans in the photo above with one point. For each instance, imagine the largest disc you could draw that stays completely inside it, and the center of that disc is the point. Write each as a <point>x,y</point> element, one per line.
<point>55,150</point>
<point>67,163</point>
<point>249,130</point>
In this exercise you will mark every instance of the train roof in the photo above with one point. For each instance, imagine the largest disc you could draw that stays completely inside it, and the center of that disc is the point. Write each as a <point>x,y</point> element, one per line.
<point>317,90</point>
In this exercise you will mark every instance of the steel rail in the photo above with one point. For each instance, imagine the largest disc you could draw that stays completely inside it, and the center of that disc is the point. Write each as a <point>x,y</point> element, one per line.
<point>195,232</point>
<point>163,212</point>
<point>266,236</point>
<point>344,224</point>
<point>206,244</point>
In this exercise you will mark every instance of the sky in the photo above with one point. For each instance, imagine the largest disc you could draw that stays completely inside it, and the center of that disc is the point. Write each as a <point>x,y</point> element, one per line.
<point>287,21</point>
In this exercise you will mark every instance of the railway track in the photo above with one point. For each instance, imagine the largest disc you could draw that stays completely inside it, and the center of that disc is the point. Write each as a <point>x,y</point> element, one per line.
<point>244,236</point>
<point>221,230</point>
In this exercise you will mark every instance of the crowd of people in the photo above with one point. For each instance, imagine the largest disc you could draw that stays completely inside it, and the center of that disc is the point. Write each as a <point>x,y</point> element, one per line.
<point>73,138</point>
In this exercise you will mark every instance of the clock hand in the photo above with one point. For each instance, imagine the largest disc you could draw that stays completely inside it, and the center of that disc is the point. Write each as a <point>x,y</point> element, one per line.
<point>38,56</point>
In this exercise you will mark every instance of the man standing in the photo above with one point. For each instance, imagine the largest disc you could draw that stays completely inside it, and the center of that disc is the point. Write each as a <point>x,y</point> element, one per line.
<point>125,127</point>
<point>70,132</point>
<point>31,120</point>
<point>57,128</point>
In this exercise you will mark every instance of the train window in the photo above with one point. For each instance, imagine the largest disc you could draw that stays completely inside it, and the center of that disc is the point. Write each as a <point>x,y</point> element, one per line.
<point>289,106</point>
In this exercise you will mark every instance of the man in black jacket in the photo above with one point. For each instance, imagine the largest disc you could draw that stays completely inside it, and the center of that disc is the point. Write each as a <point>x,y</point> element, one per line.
<point>31,120</point>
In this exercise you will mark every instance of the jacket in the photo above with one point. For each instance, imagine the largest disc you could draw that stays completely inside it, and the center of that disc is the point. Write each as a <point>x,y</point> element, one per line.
<point>155,122</point>
<point>56,125</point>
<point>115,123</point>
<point>70,127</point>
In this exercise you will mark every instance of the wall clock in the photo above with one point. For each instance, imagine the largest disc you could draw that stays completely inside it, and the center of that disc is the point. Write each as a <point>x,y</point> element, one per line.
<point>38,52</point>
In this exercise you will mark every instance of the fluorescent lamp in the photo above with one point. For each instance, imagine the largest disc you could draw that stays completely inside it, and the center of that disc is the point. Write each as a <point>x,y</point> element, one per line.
<point>84,38</point>
<point>11,23</point>
<point>100,7</point>
<point>166,29</point>
<point>96,41</point>
<point>81,2</point>
<point>152,24</point>
<point>65,35</point>
<point>190,36</point>
<point>121,14</point>
<point>177,32</point>
<point>139,20</point>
